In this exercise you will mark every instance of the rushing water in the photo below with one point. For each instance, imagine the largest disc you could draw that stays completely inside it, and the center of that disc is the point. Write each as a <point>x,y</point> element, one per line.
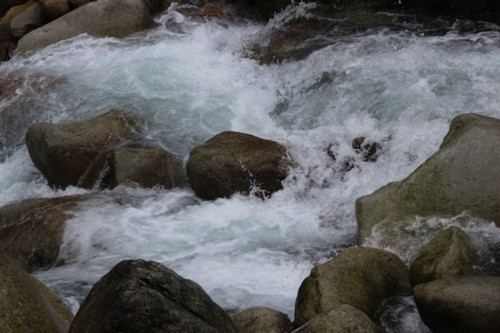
<point>189,80</point>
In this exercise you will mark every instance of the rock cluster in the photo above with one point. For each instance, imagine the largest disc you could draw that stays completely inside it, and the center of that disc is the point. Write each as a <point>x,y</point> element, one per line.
<point>101,152</point>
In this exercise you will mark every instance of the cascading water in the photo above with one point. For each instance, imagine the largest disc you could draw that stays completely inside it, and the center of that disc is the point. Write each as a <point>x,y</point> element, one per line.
<point>189,80</point>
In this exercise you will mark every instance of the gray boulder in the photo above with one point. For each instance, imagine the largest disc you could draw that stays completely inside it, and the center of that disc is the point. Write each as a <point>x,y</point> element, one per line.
<point>75,154</point>
<point>461,305</point>
<point>342,318</point>
<point>449,254</point>
<point>233,162</point>
<point>461,176</point>
<point>360,277</point>
<point>31,231</point>
<point>103,18</point>
<point>144,296</point>
<point>261,320</point>
<point>26,305</point>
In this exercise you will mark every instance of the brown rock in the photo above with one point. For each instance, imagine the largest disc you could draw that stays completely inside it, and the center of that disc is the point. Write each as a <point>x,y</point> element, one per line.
<point>233,162</point>
<point>31,231</point>
<point>461,305</point>
<point>14,11</point>
<point>75,154</point>
<point>28,20</point>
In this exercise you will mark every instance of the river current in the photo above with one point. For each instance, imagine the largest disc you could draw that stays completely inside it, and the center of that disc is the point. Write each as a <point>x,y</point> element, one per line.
<point>190,79</point>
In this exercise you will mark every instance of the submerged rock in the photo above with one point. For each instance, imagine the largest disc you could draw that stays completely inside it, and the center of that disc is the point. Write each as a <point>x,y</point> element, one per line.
<point>461,177</point>
<point>360,277</point>
<point>343,318</point>
<point>104,18</point>
<point>461,305</point>
<point>233,162</point>
<point>144,296</point>
<point>74,154</point>
<point>451,253</point>
<point>31,231</point>
<point>26,305</point>
<point>261,320</point>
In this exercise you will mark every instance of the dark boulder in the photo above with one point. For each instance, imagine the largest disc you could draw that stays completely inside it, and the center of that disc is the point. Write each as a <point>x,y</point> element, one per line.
<point>31,231</point>
<point>460,305</point>
<point>75,154</point>
<point>360,277</point>
<point>144,296</point>
<point>233,162</point>
<point>261,320</point>
<point>450,253</point>
<point>26,305</point>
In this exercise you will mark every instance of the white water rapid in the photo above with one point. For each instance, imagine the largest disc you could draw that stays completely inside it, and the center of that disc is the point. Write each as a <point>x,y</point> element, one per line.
<point>190,80</point>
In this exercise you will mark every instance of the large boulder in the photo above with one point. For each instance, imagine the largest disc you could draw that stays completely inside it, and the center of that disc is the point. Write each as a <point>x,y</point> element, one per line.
<point>261,320</point>
<point>461,177</point>
<point>360,277</point>
<point>342,318</point>
<point>26,305</point>
<point>103,18</point>
<point>449,254</point>
<point>31,231</point>
<point>139,296</point>
<point>75,154</point>
<point>144,166</point>
<point>461,305</point>
<point>233,162</point>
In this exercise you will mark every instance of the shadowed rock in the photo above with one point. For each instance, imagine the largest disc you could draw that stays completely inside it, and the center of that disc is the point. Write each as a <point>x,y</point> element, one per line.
<point>144,296</point>
<point>460,305</point>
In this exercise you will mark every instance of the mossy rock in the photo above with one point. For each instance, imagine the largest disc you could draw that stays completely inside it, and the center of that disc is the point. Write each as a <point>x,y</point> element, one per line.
<point>26,305</point>
<point>450,253</point>
<point>360,277</point>
<point>461,176</point>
